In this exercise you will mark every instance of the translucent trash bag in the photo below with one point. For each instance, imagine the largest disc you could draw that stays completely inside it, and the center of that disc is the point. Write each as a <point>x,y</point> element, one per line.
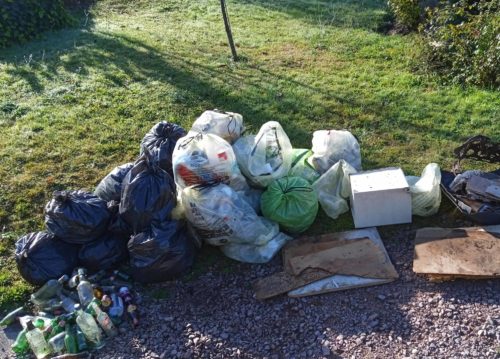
<point>331,146</point>
<point>201,159</point>
<point>333,189</point>
<point>228,125</point>
<point>256,254</point>
<point>425,191</point>
<point>266,156</point>
<point>221,216</point>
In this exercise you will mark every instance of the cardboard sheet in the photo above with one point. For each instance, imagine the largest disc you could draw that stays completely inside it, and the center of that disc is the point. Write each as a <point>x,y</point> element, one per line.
<point>318,280</point>
<point>449,253</point>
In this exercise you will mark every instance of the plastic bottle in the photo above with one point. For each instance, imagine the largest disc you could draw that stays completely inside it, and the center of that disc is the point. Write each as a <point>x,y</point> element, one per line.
<point>89,327</point>
<point>104,321</point>
<point>57,326</point>
<point>48,291</point>
<point>117,308</point>
<point>57,343</point>
<point>80,340</point>
<point>12,316</point>
<point>37,342</point>
<point>84,288</point>
<point>20,346</point>
<point>67,303</point>
<point>70,342</point>
<point>106,301</point>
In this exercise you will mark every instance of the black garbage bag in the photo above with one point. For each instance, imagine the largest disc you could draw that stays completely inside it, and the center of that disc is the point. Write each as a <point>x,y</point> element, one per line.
<point>163,252</point>
<point>107,252</point>
<point>76,216</point>
<point>117,225</point>
<point>40,256</point>
<point>110,188</point>
<point>161,140</point>
<point>148,194</point>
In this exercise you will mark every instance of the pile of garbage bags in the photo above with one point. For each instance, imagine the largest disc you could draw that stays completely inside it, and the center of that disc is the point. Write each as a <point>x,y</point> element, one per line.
<point>127,220</point>
<point>247,194</point>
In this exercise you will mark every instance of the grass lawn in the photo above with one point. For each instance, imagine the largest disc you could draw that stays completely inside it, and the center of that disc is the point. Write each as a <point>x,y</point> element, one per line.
<point>77,102</point>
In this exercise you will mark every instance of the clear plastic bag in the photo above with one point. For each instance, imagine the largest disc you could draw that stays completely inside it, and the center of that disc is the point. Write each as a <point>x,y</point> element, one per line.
<point>201,159</point>
<point>256,254</point>
<point>228,125</point>
<point>221,216</point>
<point>333,189</point>
<point>266,156</point>
<point>331,146</point>
<point>425,191</point>
<point>301,166</point>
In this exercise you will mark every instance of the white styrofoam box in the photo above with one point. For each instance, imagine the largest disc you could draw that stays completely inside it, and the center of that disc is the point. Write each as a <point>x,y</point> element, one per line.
<point>380,197</point>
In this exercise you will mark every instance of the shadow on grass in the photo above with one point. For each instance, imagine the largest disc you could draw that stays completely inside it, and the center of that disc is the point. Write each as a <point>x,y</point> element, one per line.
<point>357,14</point>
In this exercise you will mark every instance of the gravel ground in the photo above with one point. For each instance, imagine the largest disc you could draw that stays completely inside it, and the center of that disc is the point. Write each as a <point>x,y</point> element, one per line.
<point>217,316</point>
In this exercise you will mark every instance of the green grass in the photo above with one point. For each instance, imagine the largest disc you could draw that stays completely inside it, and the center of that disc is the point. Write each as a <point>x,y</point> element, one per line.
<point>77,102</point>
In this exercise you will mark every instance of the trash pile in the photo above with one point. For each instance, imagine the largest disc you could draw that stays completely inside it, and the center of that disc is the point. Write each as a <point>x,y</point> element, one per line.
<point>74,315</point>
<point>475,193</point>
<point>247,194</point>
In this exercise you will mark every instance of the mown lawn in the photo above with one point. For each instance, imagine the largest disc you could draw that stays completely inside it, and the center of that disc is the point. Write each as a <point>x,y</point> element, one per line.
<point>77,102</point>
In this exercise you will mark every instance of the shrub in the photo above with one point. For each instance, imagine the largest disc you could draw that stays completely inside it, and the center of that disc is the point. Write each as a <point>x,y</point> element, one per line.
<point>407,14</point>
<point>461,41</point>
<point>21,20</point>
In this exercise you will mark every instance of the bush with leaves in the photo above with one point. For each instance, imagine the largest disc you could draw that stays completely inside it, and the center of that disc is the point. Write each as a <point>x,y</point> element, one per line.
<point>407,14</point>
<point>461,41</point>
<point>21,20</point>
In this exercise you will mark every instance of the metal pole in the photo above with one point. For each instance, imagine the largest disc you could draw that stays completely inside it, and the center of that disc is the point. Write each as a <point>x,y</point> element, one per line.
<point>228,30</point>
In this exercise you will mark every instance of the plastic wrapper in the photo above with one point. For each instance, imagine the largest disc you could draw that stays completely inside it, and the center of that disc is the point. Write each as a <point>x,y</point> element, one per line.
<point>163,252</point>
<point>291,202</point>
<point>255,254</point>
<point>333,189</point>
<point>331,146</point>
<point>148,195</point>
<point>228,125</point>
<point>41,256</point>
<point>76,216</point>
<point>110,188</point>
<point>107,252</point>
<point>160,141</point>
<point>201,159</point>
<point>221,216</point>
<point>425,191</point>
<point>266,156</point>
<point>301,166</point>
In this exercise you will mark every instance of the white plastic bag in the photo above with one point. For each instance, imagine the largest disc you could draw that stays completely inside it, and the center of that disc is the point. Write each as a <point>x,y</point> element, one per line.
<point>256,254</point>
<point>425,191</point>
<point>221,216</point>
<point>228,125</point>
<point>266,156</point>
<point>200,159</point>
<point>333,189</point>
<point>331,146</point>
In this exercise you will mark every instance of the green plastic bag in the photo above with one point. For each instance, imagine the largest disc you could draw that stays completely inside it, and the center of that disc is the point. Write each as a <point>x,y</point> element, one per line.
<point>301,167</point>
<point>291,202</point>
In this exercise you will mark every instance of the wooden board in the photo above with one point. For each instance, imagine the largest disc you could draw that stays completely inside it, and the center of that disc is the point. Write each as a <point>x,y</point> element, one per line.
<point>458,252</point>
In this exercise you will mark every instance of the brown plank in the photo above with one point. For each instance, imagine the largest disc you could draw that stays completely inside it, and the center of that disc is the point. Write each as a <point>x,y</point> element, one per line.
<point>459,252</point>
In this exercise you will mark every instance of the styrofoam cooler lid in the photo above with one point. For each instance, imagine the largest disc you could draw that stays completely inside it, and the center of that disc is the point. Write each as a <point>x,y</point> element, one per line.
<point>383,179</point>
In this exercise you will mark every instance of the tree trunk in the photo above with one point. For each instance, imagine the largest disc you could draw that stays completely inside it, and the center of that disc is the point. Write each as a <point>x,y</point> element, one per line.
<point>228,29</point>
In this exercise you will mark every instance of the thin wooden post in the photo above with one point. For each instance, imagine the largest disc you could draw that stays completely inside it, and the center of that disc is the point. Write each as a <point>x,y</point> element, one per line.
<point>228,29</point>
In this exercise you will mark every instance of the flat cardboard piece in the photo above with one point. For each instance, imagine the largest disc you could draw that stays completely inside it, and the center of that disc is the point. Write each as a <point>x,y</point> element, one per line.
<point>360,257</point>
<point>283,282</point>
<point>449,253</point>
